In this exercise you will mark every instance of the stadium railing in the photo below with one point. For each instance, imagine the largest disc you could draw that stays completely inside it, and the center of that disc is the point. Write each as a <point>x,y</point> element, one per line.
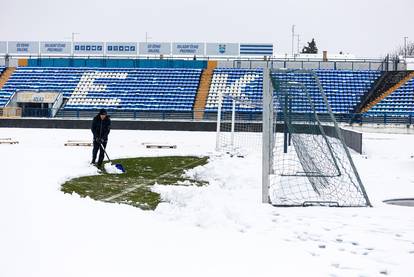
<point>377,118</point>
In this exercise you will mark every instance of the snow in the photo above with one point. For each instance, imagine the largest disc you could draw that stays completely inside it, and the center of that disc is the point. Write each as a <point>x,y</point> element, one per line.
<point>217,230</point>
<point>112,169</point>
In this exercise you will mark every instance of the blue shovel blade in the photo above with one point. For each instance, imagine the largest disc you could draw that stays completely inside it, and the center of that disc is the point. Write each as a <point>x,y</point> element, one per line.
<point>120,167</point>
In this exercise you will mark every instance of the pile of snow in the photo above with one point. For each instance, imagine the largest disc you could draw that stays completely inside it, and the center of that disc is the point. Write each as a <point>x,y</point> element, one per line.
<point>112,169</point>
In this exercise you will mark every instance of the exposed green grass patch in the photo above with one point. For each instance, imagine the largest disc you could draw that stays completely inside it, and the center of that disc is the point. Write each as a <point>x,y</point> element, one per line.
<point>133,187</point>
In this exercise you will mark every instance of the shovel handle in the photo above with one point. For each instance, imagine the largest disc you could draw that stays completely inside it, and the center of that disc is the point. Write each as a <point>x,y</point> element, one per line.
<point>103,149</point>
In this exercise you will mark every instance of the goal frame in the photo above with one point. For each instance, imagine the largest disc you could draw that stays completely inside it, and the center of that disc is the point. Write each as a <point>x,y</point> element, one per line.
<point>268,131</point>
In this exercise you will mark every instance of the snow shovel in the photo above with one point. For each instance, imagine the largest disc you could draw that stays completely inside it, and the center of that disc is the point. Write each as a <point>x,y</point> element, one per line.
<point>118,166</point>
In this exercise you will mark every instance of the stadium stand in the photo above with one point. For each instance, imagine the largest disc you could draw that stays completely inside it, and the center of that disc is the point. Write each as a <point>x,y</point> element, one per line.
<point>244,84</point>
<point>175,89</point>
<point>343,88</point>
<point>141,89</point>
<point>401,101</point>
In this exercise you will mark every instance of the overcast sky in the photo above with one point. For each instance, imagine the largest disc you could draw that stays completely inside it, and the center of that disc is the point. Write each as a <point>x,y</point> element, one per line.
<point>361,27</point>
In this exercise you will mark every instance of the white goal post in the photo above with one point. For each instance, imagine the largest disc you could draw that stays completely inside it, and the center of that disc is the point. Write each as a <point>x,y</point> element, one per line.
<point>307,162</point>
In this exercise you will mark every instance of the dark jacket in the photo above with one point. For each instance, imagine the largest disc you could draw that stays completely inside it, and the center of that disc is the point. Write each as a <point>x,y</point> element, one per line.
<point>101,128</point>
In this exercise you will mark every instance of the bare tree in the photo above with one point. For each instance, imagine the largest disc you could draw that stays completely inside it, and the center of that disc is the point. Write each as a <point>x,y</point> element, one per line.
<point>400,51</point>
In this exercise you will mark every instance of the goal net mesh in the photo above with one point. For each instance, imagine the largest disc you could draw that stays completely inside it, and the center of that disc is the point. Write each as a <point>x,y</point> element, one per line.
<point>240,125</point>
<point>311,165</point>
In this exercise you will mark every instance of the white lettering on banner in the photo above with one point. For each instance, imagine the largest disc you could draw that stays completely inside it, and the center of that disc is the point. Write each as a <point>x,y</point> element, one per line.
<point>36,97</point>
<point>154,48</point>
<point>235,89</point>
<point>88,48</point>
<point>22,47</point>
<point>55,47</point>
<point>122,48</point>
<point>86,85</point>
<point>187,48</point>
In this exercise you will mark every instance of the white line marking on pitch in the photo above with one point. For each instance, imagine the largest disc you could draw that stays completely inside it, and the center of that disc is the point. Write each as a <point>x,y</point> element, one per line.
<point>131,189</point>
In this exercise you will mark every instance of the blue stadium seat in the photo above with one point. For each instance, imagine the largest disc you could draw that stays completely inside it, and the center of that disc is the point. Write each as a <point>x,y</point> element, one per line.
<point>343,88</point>
<point>112,88</point>
<point>174,89</point>
<point>400,101</point>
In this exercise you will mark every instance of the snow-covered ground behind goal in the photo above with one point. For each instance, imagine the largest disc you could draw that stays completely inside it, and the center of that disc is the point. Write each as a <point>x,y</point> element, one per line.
<point>217,230</point>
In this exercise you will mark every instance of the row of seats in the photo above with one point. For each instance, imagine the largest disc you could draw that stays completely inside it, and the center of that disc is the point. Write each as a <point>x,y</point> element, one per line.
<point>120,89</point>
<point>172,89</point>
<point>2,101</point>
<point>243,85</point>
<point>400,101</point>
<point>343,89</point>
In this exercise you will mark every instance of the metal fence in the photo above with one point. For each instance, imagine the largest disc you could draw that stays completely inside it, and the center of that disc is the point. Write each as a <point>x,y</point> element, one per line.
<point>357,64</point>
<point>373,118</point>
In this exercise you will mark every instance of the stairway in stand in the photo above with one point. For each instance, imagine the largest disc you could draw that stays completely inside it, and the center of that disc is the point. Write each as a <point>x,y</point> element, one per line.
<point>203,89</point>
<point>4,77</point>
<point>386,84</point>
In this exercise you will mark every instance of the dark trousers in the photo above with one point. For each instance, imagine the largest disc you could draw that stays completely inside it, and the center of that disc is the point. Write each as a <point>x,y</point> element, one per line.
<point>97,147</point>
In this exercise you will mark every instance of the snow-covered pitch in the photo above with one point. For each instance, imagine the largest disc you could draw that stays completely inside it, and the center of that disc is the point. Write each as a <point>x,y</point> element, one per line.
<point>217,230</point>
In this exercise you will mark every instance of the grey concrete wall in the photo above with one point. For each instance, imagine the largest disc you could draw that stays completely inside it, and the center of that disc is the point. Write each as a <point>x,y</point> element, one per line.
<point>327,65</point>
<point>256,64</point>
<point>294,65</point>
<point>361,66</point>
<point>375,65</point>
<point>310,65</point>
<point>348,65</point>
<point>225,64</point>
<point>13,62</point>
<point>353,140</point>
<point>343,65</point>
<point>277,64</point>
<point>116,124</point>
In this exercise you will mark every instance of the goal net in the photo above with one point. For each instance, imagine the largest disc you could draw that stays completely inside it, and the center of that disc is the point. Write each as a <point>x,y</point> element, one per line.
<point>239,122</point>
<point>238,133</point>
<point>308,161</point>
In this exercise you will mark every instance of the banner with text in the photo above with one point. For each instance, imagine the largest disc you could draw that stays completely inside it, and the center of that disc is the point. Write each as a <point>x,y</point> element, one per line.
<point>3,47</point>
<point>256,49</point>
<point>88,48</point>
<point>154,48</point>
<point>55,47</point>
<point>222,49</point>
<point>23,47</point>
<point>121,48</point>
<point>36,97</point>
<point>188,49</point>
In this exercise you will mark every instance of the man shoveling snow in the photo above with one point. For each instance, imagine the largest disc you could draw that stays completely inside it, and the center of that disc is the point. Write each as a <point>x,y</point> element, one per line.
<point>101,126</point>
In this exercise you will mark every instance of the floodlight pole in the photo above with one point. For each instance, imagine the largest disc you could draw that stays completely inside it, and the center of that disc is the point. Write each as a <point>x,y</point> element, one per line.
<point>298,43</point>
<point>73,42</point>
<point>293,40</point>
<point>405,48</point>
<point>147,37</point>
